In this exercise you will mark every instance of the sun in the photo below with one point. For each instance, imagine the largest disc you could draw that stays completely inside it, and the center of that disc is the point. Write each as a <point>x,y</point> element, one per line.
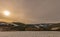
<point>6,13</point>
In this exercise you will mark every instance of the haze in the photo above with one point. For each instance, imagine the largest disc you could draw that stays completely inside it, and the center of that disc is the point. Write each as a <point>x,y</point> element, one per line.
<point>31,11</point>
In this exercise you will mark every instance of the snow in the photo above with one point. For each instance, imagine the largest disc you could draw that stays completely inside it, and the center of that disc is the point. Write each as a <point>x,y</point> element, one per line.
<point>30,34</point>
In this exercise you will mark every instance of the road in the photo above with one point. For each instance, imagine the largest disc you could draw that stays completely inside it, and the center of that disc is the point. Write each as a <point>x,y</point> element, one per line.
<point>30,34</point>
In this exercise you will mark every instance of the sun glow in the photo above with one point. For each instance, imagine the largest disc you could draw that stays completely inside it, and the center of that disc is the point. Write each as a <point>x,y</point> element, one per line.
<point>6,13</point>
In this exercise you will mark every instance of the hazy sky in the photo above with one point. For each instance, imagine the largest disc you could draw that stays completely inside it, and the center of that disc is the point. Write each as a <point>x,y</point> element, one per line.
<point>31,11</point>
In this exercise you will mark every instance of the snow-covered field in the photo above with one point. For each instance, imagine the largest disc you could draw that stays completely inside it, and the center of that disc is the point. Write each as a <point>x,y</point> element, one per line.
<point>30,34</point>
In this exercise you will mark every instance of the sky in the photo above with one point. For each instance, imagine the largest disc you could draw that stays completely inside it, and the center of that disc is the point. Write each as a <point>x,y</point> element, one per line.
<point>31,11</point>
